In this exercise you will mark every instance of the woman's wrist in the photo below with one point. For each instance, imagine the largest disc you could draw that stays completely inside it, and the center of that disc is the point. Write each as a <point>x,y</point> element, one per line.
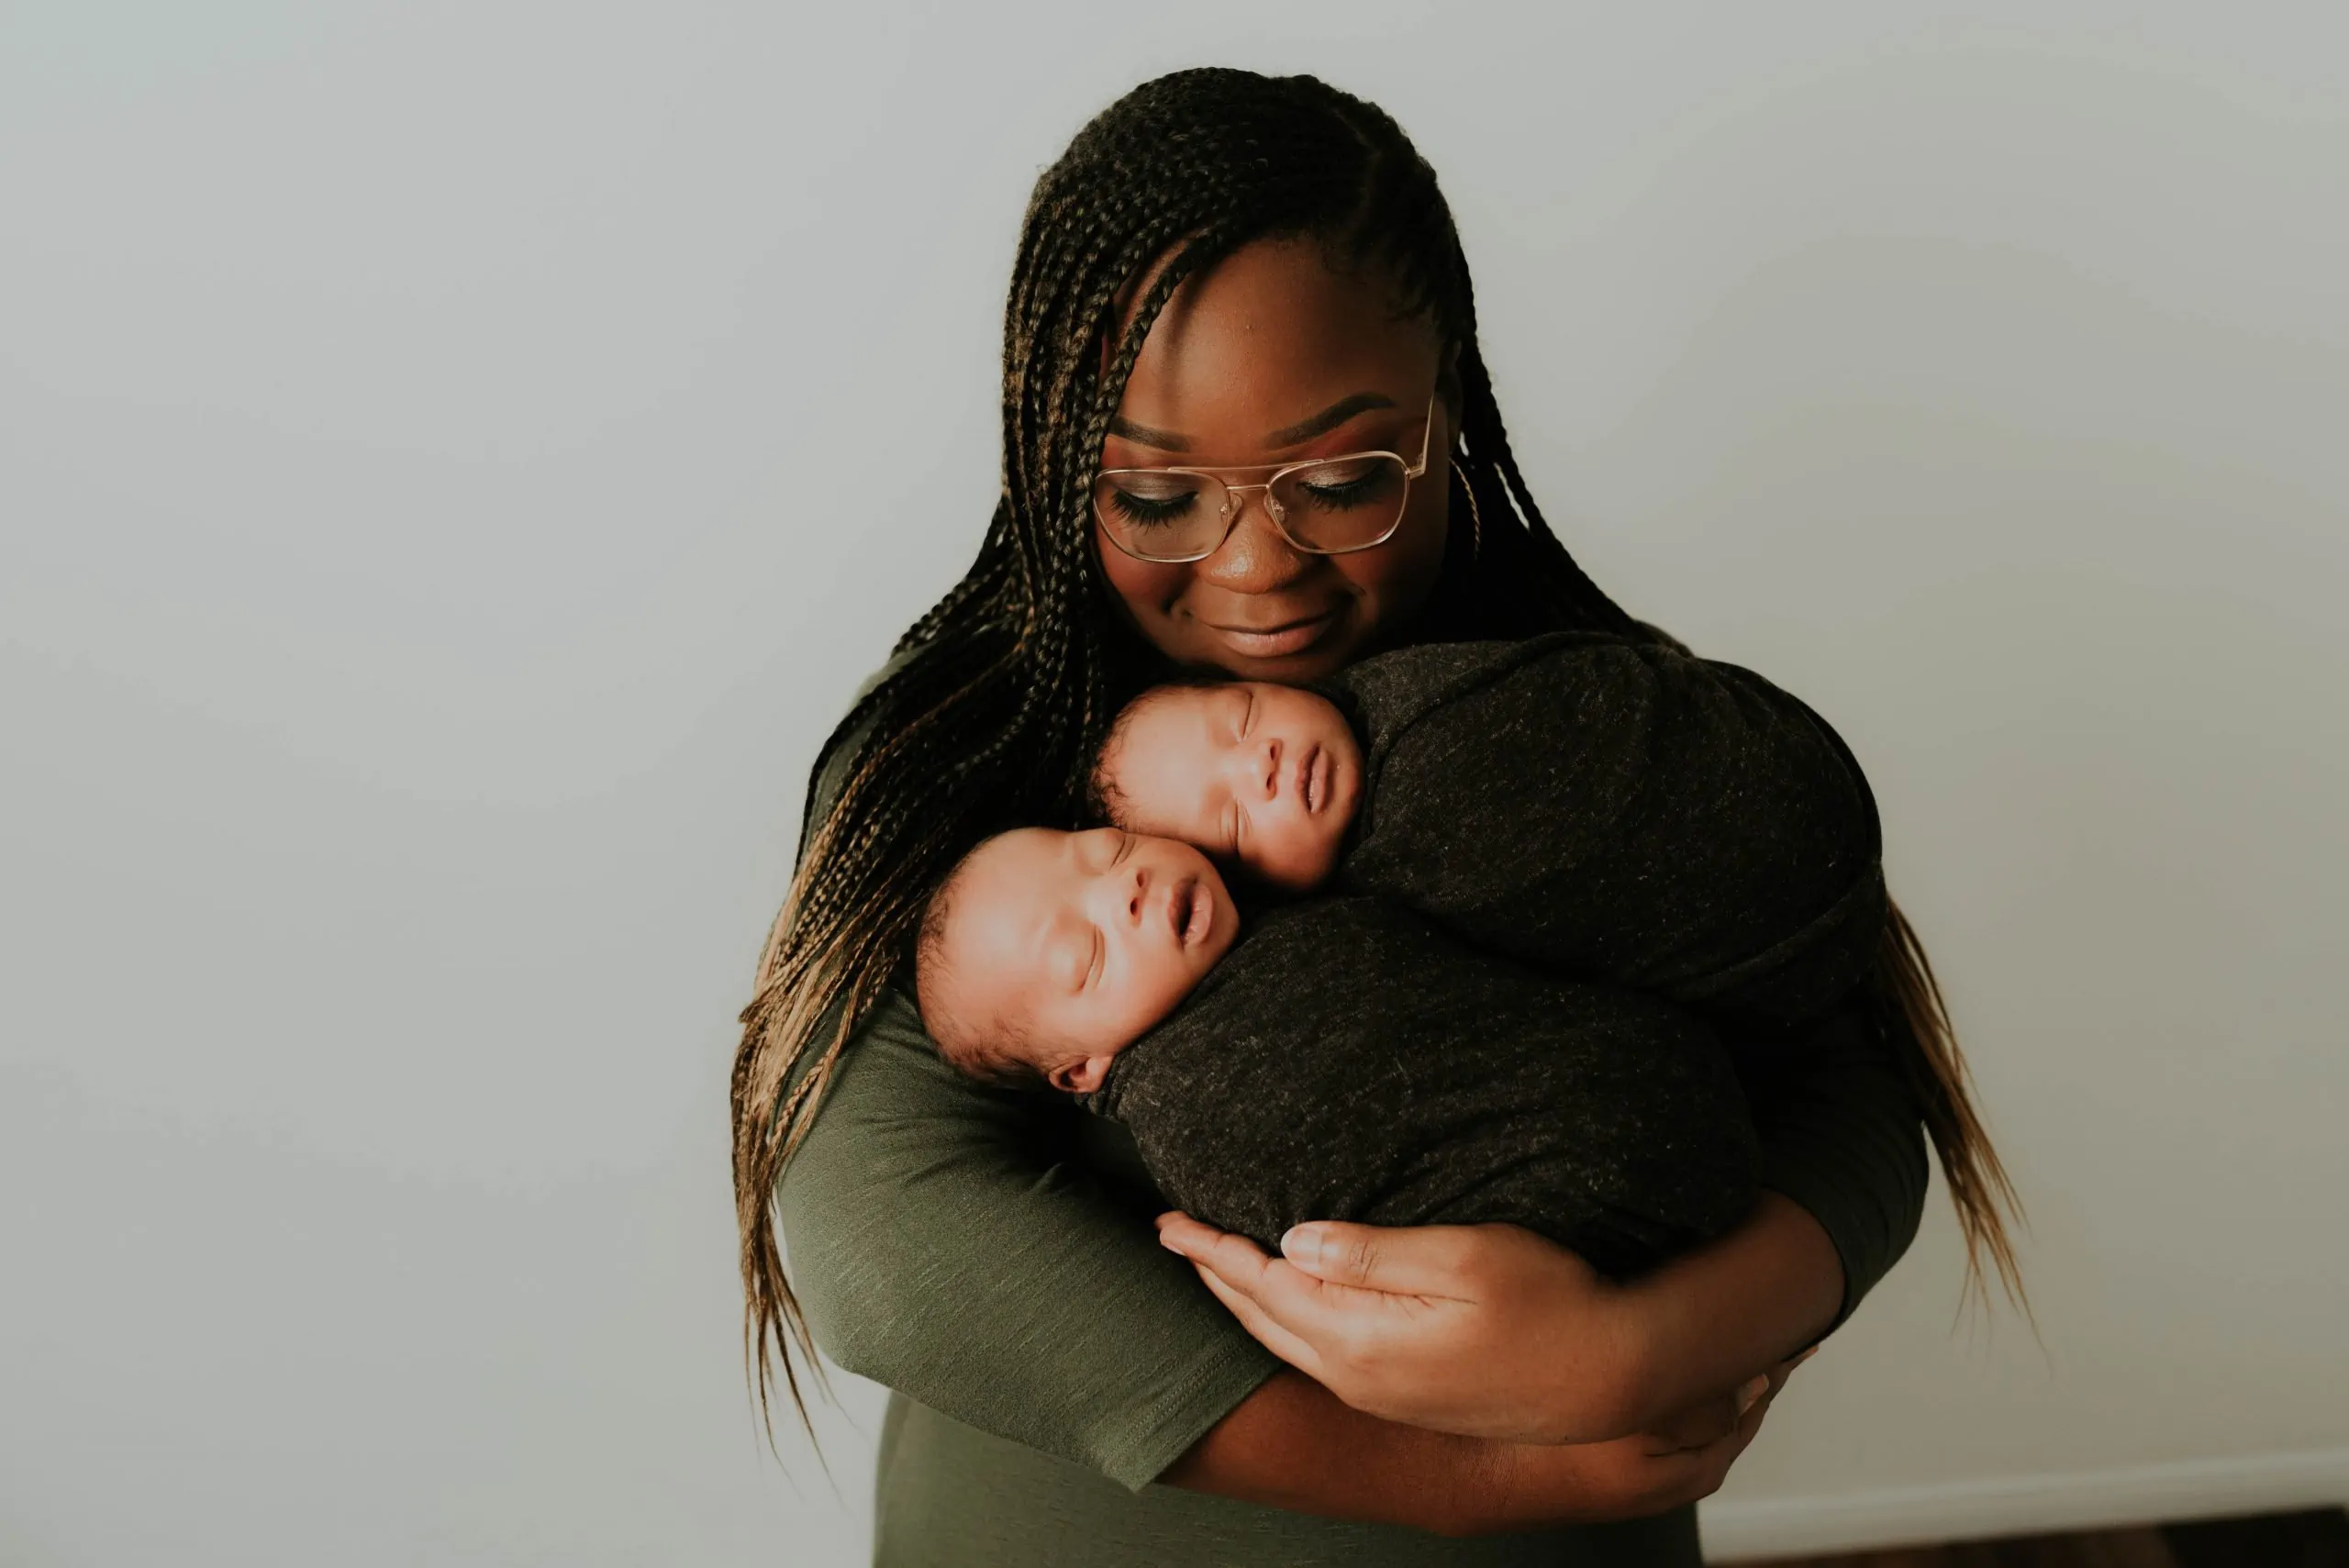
<point>1745,1302</point>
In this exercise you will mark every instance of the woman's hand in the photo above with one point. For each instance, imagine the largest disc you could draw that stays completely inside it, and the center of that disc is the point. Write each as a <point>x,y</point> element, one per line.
<point>1489,1330</point>
<point>1684,1459</point>
<point>1293,1445</point>
<point>1483,1330</point>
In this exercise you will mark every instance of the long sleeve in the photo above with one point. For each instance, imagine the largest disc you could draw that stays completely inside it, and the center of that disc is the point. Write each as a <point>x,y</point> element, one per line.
<point>1842,1135</point>
<point>955,1243</point>
<point>944,1241</point>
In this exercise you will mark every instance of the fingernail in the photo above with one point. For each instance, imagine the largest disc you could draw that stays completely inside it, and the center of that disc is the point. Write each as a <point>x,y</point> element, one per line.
<point>1752,1390</point>
<point>1301,1245</point>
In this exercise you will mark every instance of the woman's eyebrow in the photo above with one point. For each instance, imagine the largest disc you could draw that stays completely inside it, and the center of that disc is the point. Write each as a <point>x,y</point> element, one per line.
<point>1329,419</point>
<point>1144,435</point>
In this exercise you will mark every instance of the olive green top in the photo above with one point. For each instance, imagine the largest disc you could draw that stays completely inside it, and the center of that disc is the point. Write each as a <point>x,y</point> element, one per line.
<point>988,1255</point>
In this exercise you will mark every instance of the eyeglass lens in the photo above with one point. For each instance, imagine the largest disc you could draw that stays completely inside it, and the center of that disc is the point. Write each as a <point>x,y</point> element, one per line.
<point>1166,514</point>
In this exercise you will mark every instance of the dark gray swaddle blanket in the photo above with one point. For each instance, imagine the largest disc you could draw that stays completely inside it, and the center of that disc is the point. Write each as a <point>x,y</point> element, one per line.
<point>1350,1060</point>
<point>1574,855</point>
<point>1620,811</point>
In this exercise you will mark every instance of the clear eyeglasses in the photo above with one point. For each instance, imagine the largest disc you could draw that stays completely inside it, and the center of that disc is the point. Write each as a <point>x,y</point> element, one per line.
<point>1329,506</point>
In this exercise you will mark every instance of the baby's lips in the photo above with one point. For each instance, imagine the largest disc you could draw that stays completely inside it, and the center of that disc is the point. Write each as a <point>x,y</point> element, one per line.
<point>1198,913</point>
<point>1180,901</point>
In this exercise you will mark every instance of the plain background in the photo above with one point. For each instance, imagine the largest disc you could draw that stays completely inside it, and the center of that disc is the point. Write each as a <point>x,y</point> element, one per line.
<point>457,459</point>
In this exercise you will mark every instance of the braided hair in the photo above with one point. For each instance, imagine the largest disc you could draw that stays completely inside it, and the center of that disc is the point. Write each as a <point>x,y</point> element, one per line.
<point>1000,694</point>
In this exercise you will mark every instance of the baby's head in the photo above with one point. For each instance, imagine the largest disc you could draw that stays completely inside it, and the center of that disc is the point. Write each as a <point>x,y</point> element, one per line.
<point>1265,775</point>
<point>1043,953</point>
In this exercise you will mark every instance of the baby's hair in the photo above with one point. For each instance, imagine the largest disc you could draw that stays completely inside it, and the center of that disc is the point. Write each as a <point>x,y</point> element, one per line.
<point>1102,800</point>
<point>986,1050</point>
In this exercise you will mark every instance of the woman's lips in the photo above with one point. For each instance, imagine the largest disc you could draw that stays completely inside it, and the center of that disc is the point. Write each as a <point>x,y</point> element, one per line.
<point>1276,640</point>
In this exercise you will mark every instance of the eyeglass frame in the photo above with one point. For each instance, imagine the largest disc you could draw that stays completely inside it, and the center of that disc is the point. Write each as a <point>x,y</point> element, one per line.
<point>1272,510</point>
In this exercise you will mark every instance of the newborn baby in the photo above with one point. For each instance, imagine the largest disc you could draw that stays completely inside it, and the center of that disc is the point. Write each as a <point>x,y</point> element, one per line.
<point>1602,808</point>
<point>1043,954</point>
<point>1349,1061</point>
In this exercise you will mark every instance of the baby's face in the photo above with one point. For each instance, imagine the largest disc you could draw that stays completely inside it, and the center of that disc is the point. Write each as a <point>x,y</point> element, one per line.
<point>1265,775</point>
<point>1084,941</point>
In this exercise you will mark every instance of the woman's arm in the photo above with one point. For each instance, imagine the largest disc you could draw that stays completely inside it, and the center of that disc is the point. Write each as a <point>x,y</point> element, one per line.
<point>939,1246</point>
<point>1492,1332</point>
<point>936,1251</point>
<point>1292,1444</point>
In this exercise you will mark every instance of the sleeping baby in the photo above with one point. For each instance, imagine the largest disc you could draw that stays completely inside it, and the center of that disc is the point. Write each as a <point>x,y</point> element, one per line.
<point>1349,1060</point>
<point>1534,851</point>
<point>1602,808</point>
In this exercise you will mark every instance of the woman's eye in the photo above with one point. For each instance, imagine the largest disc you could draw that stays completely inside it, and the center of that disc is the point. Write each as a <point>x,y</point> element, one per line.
<point>1154,503</point>
<point>1340,486</point>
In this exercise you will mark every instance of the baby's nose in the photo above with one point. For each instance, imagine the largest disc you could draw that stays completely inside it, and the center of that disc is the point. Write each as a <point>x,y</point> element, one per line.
<point>1271,765</point>
<point>1136,891</point>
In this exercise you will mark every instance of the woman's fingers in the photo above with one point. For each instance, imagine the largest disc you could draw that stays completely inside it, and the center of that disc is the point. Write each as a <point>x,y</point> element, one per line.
<point>1271,1335</point>
<point>1706,1423</point>
<point>1428,1260</point>
<point>1703,1424</point>
<point>1203,1243</point>
<point>1303,1305</point>
<point>1419,1261</point>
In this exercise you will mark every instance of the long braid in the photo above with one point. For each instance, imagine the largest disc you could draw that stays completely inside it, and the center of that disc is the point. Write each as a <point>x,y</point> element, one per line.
<point>1000,690</point>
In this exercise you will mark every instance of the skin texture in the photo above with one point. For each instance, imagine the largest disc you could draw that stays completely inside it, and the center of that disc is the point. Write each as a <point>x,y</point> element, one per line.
<point>1071,945</point>
<point>1253,347</point>
<point>1264,343</point>
<point>1265,777</point>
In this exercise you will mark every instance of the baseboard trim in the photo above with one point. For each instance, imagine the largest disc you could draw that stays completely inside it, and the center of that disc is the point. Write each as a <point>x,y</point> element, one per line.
<point>2024,1505</point>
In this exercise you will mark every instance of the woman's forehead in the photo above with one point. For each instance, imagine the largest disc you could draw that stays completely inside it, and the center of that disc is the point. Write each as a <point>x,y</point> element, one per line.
<point>1268,341</point>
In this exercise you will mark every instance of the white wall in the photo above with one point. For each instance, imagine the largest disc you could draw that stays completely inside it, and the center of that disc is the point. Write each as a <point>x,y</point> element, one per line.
<point>455,460</point>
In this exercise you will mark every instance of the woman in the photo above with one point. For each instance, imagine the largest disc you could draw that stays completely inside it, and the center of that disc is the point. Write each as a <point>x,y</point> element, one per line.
<point>1233,274</point>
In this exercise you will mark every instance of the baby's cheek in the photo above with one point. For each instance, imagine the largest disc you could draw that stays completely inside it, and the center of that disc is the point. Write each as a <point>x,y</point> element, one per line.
<point>1164,809</point>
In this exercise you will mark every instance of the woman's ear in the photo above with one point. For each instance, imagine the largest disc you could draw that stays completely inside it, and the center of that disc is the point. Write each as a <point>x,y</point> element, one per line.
<point>1081,1076</point>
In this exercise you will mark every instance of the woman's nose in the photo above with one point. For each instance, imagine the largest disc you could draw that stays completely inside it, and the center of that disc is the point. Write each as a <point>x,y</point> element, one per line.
<point>1254,557</point>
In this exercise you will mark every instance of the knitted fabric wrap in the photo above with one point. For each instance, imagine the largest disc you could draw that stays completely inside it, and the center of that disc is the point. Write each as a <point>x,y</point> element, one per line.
<point>1350,1060</point>
<point>1618,810</point>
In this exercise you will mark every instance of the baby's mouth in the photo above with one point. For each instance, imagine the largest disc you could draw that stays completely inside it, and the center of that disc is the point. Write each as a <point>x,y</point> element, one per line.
<point>1191,911</point>
<point>1313,780</point>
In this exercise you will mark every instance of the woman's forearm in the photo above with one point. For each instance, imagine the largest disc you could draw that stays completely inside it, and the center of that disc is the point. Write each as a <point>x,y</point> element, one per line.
<point>1292,1444</point>
<point>1745,1302</point>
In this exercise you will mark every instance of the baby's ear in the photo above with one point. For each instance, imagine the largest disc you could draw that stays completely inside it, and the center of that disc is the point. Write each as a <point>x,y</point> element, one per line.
<point>1081,1076</point>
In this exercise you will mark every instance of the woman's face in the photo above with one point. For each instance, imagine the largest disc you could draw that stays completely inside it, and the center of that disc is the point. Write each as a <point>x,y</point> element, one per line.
<point>1271,357</point>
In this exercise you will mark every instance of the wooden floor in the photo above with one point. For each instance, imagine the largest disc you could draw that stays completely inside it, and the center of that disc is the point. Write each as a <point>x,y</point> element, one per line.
<point>2314,1540</point>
